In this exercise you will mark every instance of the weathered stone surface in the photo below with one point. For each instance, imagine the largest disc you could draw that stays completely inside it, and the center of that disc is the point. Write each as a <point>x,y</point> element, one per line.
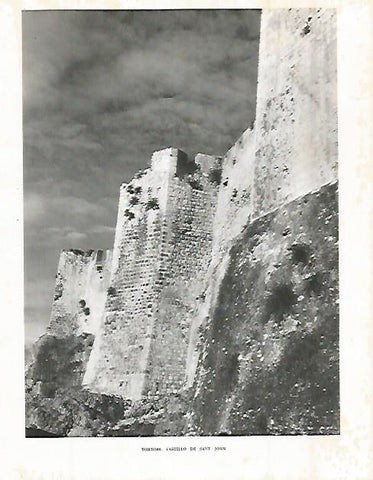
<point>80,292</point>
<point>73,412</point>
<point>296,111</point>
<point>59,362</point>
<point>161,253</point>
<point>270,357</point>
<point>220,314</point>
<point>292,149</point>
<point>78,412</point>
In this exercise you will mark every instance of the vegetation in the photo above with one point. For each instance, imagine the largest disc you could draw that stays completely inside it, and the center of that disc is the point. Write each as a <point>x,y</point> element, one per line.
<point>152,204</point>
<point>215,176</point>
<point>129,214</point>
<point>134,200</point>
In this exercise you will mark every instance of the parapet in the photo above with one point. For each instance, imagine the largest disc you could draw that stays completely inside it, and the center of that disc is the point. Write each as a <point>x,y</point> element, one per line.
<point>98,257</point>
<point>177,163</point>
<point>174,161</point>
<point>207,162</point>
<point>77,252</point>
<point>166,160</point>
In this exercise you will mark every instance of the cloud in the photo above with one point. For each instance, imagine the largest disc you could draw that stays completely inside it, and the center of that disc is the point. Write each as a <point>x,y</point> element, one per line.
<point>76,209</point>
<point>65,233</point>
<point>39,295</point>
<point>35,208</point>
<point>101,92</point>
<point>102,229</point>
<point>75,236</point>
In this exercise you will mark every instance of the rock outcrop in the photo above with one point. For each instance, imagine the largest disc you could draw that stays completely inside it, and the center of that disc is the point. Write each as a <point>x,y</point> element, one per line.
<point>217,311</point>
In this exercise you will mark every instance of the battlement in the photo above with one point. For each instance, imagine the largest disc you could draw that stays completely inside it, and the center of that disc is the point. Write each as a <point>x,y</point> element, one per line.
<point>168,160</point>
<point>74,256</point>
<point>150,190</point>
<point>207,163</point>
<point>176,162</point>
<point>77,252</point>
<point>99,256</point>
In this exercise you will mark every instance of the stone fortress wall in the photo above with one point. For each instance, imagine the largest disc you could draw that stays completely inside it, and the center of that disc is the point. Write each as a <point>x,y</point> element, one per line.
<point>186,255</point>
<point>163,243</point>
<point>272,284</point>
<point>222,266</point>
<point>233,206</point>
<point>296,112</point>
<point>282,158</point>
<point>80,292</point>
<point>119,356</point>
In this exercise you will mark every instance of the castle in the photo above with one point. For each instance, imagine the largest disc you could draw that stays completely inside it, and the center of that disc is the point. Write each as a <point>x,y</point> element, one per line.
<point>223,278</point>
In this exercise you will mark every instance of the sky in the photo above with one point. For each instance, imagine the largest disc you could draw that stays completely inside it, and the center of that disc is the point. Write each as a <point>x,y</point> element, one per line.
<point>102,90</point>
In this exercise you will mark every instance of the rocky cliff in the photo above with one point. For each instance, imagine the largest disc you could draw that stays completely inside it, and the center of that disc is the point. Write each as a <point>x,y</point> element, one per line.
<point>217,313</point>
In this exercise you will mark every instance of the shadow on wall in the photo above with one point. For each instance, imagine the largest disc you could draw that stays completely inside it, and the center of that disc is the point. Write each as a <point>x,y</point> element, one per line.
<point>272,357</point>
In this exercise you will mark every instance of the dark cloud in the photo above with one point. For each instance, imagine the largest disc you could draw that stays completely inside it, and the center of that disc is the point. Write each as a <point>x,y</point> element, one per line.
<point>102,90</point>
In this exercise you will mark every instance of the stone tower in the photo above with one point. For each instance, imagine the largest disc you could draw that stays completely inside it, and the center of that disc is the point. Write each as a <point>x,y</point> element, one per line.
<point>79,298</point>
<point>224,275</point>
<point>161,251</point>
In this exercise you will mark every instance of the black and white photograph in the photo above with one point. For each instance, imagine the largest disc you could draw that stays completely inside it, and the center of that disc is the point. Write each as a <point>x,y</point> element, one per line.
<point>181,252</point>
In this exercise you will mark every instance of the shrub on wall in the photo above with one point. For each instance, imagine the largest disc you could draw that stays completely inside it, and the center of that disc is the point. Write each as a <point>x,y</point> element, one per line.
<point>111,291</point>
<point>134,200</point>
<point>215,176</point>
<point>129,214</point>
<point>194,182</point>
<point>152,204</point>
